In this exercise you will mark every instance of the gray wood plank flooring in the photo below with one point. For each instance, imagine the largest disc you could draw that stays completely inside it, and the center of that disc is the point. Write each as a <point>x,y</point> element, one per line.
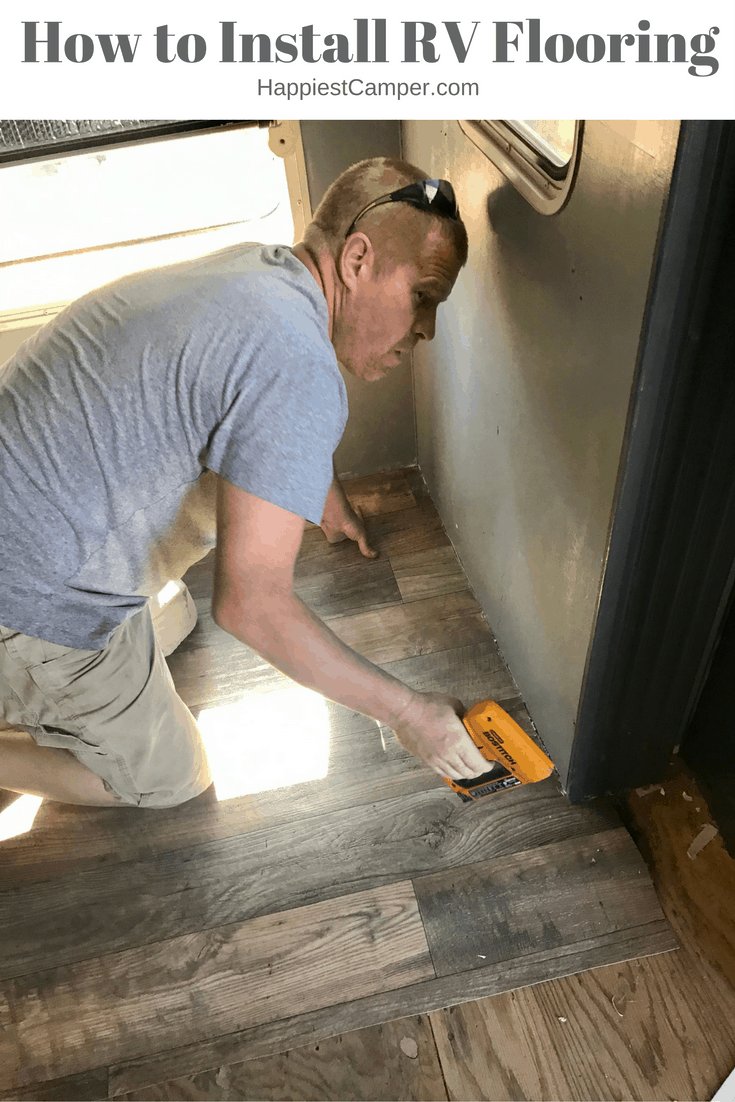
<point>493,911</point>
<point>140,947</point>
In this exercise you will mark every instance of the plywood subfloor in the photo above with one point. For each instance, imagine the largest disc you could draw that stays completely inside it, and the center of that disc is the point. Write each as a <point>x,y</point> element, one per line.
<point>332,885</point>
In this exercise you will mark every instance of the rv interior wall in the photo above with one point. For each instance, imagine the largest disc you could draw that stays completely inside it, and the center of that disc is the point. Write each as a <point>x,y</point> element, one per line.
<point>521,400</point>
<point>380,435</point>
<point>12,339</point>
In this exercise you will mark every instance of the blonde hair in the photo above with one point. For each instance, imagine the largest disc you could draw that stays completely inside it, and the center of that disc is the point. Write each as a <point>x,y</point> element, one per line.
<point>358,186</point>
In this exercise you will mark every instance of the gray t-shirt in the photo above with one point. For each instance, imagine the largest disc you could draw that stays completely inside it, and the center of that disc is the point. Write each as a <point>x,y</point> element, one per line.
<point>110,414</point>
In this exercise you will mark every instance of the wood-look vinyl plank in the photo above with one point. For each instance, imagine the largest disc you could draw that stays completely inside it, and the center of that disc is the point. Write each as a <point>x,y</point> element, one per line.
<point>356,588</point>
<point>223,673</point>
<point>397,1060</point>
<point>213,677</point>
<point>656,1028</point>
<point>63,842</point>
<point>410,530</point>
<point>234,929</point>
<point>334,578</point>
<point>285,866</point>
<point>365,766</point>
<point>318,556</point>
<point>333,591</point>
<point>372,494</point>
<point>89,1086</point>
<point>64,839</point>
<point>420,998</point>
<point>363,769</point>
<point>642,1030</point>
<point>546,897</point>
<point>471,672</point>
<point>198,986</point>
<point>428,573</point>
<point>421,627</point>
<point>413,529</point>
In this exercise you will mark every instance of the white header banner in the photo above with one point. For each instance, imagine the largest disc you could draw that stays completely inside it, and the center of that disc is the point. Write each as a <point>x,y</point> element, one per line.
<point>149,58</point>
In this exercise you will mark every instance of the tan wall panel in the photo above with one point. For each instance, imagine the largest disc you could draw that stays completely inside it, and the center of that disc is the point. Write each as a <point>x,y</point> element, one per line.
<point>12,339</point>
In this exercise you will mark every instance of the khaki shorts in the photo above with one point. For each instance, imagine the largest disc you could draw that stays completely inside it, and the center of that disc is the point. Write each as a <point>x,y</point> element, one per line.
<point>116,709</point>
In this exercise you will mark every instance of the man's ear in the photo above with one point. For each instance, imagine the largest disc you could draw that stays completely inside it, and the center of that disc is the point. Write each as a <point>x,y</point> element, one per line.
<point>356,260</point>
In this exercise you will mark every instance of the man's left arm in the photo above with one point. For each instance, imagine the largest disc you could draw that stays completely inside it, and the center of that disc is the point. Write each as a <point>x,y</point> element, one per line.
<point>341,521</point>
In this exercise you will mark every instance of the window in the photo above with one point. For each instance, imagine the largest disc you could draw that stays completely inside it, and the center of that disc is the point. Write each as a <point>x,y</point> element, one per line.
<point>538,156</point>
<point>100,211</point>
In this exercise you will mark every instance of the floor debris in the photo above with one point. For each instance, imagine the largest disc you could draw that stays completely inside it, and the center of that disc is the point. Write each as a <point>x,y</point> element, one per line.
<point>706,834</point>
<point>649,788</point>
<point>409,1048</point>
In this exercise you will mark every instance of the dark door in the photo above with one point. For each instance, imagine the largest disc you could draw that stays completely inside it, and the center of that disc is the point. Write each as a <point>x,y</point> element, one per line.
<point>669,572</point>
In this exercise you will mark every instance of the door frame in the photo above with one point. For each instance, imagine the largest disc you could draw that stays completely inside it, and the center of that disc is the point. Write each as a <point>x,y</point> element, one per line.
<point>670,568</point>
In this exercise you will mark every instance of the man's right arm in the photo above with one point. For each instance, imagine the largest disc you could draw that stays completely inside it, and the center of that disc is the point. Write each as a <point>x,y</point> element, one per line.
<point>257,545</point>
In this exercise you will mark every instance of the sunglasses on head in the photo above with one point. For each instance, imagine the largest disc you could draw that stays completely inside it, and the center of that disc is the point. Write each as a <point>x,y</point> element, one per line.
<point>436,196</point>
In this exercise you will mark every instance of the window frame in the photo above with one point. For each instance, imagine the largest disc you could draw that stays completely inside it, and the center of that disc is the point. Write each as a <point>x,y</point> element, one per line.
<point>547,187</point>
<point>164,131</point>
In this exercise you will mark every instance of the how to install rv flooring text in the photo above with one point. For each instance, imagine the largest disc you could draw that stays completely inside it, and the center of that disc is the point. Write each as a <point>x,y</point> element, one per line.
<point>328,883</point>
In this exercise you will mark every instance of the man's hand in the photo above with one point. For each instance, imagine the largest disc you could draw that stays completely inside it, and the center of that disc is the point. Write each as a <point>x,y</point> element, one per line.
<point>341,521</point>
<point>432,730</point>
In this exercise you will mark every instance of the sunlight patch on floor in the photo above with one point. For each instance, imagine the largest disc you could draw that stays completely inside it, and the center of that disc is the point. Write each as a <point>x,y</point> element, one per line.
<point>266,740</point>
<point>18,817</point>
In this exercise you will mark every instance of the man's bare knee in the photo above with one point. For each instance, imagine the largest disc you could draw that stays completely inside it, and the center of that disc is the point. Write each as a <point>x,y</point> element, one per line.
<point>49,771</point>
